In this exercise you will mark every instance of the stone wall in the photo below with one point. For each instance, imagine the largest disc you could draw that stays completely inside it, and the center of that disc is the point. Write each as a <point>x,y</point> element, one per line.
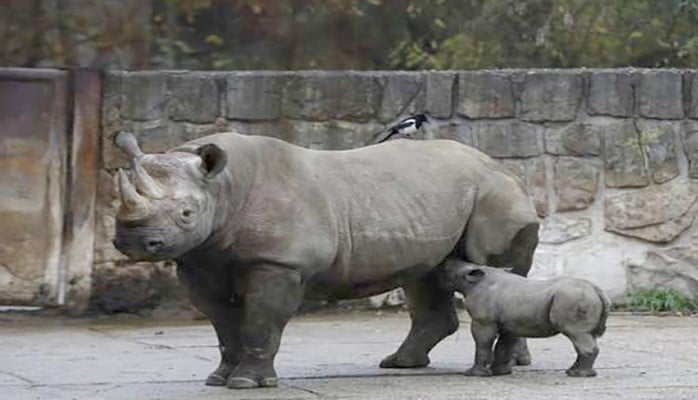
<point>610,156</point>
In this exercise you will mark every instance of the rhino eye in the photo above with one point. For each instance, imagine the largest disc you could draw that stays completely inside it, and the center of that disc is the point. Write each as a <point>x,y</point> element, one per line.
<point>187,213</point>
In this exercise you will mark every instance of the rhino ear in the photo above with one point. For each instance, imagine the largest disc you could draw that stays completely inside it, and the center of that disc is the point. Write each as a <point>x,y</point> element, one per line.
<point>474,275</point>
<point>213,159</point>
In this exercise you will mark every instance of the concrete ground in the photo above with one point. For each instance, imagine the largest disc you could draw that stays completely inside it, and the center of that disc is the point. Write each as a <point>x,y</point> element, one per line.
<point>332,356</point>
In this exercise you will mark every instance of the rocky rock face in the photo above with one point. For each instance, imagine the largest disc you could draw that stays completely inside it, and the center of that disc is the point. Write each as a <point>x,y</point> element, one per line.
<point>610,157</point>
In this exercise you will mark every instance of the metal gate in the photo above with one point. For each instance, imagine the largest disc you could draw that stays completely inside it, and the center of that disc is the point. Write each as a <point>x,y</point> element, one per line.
<point>48,165</point>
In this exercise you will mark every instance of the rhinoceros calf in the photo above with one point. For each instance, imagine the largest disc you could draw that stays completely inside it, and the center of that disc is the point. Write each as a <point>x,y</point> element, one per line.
<point>256,224</point>
<point>509,306</point>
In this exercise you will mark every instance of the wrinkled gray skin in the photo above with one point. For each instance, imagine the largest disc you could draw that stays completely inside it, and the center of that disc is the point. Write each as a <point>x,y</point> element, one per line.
<point>506,306</point>
<point>255,224</point>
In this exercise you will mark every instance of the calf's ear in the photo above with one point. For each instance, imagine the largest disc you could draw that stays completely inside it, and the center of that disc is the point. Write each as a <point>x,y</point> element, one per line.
<point>213,159</point>
<point>474,275</point>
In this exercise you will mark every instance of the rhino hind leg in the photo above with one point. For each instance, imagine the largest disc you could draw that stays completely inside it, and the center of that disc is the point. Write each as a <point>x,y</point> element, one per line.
<point>587,351</point>
<point>433,318</point>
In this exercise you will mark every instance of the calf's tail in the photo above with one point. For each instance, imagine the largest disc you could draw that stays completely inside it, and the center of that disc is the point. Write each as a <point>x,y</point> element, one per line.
<point>600,327</point>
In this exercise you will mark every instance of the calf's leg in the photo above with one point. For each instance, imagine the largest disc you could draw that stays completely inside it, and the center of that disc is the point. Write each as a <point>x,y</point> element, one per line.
<point>272,295</point>
<point>502,354</point>
<point>433,318</point>
<point>484,336</point>
<point>519,258</point>
<point>587,351</point>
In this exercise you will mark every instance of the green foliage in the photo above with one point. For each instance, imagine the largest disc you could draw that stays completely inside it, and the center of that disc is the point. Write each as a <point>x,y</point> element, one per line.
<point>350,34</point>
<point>660,300</point>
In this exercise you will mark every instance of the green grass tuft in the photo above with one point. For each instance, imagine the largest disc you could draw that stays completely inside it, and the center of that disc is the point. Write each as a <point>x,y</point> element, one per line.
<point>661,300</point>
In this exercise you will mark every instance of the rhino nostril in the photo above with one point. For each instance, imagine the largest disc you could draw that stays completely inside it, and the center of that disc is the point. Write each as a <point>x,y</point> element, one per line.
<point>153,246</point>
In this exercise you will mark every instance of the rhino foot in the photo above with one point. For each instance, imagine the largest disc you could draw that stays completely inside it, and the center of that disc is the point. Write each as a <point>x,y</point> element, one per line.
<point>403,360</point>
<point>501,369</point>
<point>218,377</point>
<point>478,371</point>
<point>252,377</point>
<point>242,382</point>
<point>521,355</point>
<point>580,373</point>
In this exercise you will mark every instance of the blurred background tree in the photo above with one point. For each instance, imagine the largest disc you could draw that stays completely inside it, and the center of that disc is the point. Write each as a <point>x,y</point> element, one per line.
<point>348,34</point>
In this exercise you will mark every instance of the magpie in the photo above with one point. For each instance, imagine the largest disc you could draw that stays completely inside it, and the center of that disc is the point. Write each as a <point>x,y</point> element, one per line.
<point>407,126</point>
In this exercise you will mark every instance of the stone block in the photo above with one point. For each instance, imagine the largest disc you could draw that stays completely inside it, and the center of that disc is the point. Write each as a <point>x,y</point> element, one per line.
<point>574,139</point>
<point>658,213</point>
<point>460,132</point>
<point>558,230</point>
<point>439,96</point>
<point>550,96</point>
<point>671,268</point>
<point>132,287</point>
<point>144,95</point>
<point>532,173</point>
<point>537,186</point>
<point>509,138</point>
<point>624,158</point>
<point>660,94</point>
<point>254,95</point>
<point>320,96</point>
<point>193,97</point>
<point>403,94</point>
<point>332,135</point>
<point>610,93</point>
<point>659,142</point>
<point>689,136</point>
<point>485,95</point>
<point>393,298</point>
<point>575,183</point>
<point>112,99</point>
<point>692,81</point>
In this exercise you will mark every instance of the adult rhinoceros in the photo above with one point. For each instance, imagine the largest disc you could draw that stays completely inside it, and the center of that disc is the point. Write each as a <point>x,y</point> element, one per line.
<point>255,224</point>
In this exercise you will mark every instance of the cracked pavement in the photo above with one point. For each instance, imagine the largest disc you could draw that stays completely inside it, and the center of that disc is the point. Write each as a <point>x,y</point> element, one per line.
<point>332,356</point>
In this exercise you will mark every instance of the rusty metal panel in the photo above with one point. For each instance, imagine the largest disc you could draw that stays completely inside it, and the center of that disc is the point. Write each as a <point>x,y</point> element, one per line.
<point>33,150</point>
<point>78,240</point>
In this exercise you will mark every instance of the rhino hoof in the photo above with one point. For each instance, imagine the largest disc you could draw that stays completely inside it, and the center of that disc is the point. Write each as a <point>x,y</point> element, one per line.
<point>240,382</point>
<point>215,380</point>
<point>269,382</point>
<point>581,373</point>
<point>478,371</point>
<point>404,361</point>
<point>501,370</point>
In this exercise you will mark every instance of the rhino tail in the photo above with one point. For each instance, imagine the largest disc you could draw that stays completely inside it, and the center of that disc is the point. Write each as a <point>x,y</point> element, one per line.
<point>600,327</point>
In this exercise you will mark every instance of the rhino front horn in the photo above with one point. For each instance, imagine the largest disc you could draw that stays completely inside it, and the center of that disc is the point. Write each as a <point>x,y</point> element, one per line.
<point>128,144</point>
<point>133,205</point>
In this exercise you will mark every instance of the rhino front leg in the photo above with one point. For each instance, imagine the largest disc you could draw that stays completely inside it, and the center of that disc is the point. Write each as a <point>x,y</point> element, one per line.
<point>273,294</point>
<point>433,318</point>
<point>214,301</point>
